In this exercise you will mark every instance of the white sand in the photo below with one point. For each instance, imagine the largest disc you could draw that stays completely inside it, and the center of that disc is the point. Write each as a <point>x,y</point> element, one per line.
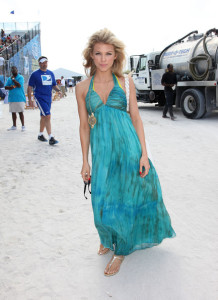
<point>48,242</point>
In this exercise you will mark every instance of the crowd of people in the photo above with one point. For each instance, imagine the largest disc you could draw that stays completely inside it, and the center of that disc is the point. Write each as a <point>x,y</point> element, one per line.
<point>67,84</point>
<point>7,40</point>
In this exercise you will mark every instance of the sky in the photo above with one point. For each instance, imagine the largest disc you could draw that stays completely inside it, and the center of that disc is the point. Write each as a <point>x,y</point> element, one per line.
<point>143,26</point>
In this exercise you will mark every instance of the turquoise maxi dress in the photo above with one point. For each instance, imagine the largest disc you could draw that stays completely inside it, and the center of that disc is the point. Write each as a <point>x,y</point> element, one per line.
<point>129,212</point>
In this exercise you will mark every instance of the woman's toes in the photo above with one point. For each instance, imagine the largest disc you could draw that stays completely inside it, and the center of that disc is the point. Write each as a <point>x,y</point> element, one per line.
<point>113,270</point>
<point>106,271</point>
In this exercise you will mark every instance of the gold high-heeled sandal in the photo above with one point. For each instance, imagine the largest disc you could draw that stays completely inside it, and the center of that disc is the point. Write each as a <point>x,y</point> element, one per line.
<point>101,251</point>
<point>112,261</point>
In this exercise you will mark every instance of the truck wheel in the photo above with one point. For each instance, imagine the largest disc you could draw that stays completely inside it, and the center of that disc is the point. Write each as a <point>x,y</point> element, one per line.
<point>193,104</point>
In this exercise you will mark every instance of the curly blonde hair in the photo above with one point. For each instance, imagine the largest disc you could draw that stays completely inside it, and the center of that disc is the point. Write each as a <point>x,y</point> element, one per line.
<point>107,37</point>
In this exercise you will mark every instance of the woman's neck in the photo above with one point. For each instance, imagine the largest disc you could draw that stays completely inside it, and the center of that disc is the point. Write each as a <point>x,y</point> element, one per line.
<point>103,76</point>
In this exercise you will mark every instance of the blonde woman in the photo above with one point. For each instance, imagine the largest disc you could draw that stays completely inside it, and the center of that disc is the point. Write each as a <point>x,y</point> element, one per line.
<point>129,212</point>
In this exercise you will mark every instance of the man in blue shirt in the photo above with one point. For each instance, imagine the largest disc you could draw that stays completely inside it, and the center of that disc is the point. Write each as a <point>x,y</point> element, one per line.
<point>42,82</point>
<point>16,98</point>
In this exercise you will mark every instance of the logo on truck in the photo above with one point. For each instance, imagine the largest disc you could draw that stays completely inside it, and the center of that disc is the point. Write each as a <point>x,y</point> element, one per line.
<point>177,53</point>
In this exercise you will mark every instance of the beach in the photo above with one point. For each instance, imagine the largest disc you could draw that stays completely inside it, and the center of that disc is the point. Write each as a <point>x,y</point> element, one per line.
<point>48,241</point>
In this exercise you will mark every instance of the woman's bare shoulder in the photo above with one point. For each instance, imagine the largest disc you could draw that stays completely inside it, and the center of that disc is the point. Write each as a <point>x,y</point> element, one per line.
<point>83,86</point>
<point>122,81</point>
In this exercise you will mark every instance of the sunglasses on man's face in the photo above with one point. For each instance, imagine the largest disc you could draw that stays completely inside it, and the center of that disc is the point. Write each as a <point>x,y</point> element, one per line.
<point>87,183</point>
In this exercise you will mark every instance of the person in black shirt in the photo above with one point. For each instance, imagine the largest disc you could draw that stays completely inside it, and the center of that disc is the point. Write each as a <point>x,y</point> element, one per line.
<point>168,81</point>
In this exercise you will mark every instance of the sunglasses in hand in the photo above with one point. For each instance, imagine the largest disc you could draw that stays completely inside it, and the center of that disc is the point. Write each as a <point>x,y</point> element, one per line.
<point>87,183</point>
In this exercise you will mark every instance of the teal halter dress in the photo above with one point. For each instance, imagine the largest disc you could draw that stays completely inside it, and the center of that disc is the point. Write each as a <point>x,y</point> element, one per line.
<point>129,212</point>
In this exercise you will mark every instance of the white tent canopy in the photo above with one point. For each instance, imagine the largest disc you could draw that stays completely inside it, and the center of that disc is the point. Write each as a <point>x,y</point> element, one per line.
<point>66,73</point>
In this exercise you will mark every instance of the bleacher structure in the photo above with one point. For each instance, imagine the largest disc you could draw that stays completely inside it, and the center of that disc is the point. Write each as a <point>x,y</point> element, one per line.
<point>24,51</point>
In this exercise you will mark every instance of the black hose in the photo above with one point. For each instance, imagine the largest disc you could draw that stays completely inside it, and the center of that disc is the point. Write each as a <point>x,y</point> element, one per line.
<point>206,56</point>
<point>193,70</point>
<point>204,40</point>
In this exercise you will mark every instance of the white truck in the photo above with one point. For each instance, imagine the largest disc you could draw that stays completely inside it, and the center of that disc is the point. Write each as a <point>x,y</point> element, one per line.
<point>195,61</point>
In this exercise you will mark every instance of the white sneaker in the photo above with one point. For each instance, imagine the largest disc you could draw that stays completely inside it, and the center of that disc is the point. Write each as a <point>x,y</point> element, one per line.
<point>12,128</point>
<point>23,128</point>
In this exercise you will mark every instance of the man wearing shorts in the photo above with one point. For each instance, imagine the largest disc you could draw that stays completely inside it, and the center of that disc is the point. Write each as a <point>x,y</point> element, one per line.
<point>16,98</point>
<point>42,81</point>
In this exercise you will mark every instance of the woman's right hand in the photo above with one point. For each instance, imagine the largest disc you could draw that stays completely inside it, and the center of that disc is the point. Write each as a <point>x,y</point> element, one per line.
<point>85,172</point>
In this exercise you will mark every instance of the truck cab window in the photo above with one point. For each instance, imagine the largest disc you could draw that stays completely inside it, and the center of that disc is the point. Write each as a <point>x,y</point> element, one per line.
<point>143,62</point>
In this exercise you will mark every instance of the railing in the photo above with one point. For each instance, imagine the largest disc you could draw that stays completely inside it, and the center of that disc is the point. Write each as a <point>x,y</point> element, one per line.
<point>19,43</point>
<point>11,27</point>
<point>14,55</point>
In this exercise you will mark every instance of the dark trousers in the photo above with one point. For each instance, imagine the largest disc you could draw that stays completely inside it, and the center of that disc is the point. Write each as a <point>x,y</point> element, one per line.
<point>169,95</point>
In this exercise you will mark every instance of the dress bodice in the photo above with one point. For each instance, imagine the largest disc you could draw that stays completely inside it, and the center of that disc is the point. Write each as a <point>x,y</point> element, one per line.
<point>116,98</point>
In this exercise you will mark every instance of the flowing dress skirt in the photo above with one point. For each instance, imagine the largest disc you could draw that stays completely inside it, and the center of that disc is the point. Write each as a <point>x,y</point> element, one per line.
<point>129,212</point>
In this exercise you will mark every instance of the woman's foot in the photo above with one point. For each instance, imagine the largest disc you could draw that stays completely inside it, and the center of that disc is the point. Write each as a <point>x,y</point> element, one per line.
<point>102,250</point>
<point>114,264</point>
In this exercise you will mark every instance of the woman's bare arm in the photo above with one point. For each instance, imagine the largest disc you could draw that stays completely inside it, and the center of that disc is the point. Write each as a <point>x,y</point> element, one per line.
<point>84,128</point>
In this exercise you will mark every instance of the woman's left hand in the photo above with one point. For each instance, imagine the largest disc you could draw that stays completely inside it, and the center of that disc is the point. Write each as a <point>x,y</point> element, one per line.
<point>144,162</point>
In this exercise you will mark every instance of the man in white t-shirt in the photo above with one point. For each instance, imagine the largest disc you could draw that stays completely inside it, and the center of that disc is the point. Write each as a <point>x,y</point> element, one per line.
<point>63,86</point>
<point>70,86</point>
